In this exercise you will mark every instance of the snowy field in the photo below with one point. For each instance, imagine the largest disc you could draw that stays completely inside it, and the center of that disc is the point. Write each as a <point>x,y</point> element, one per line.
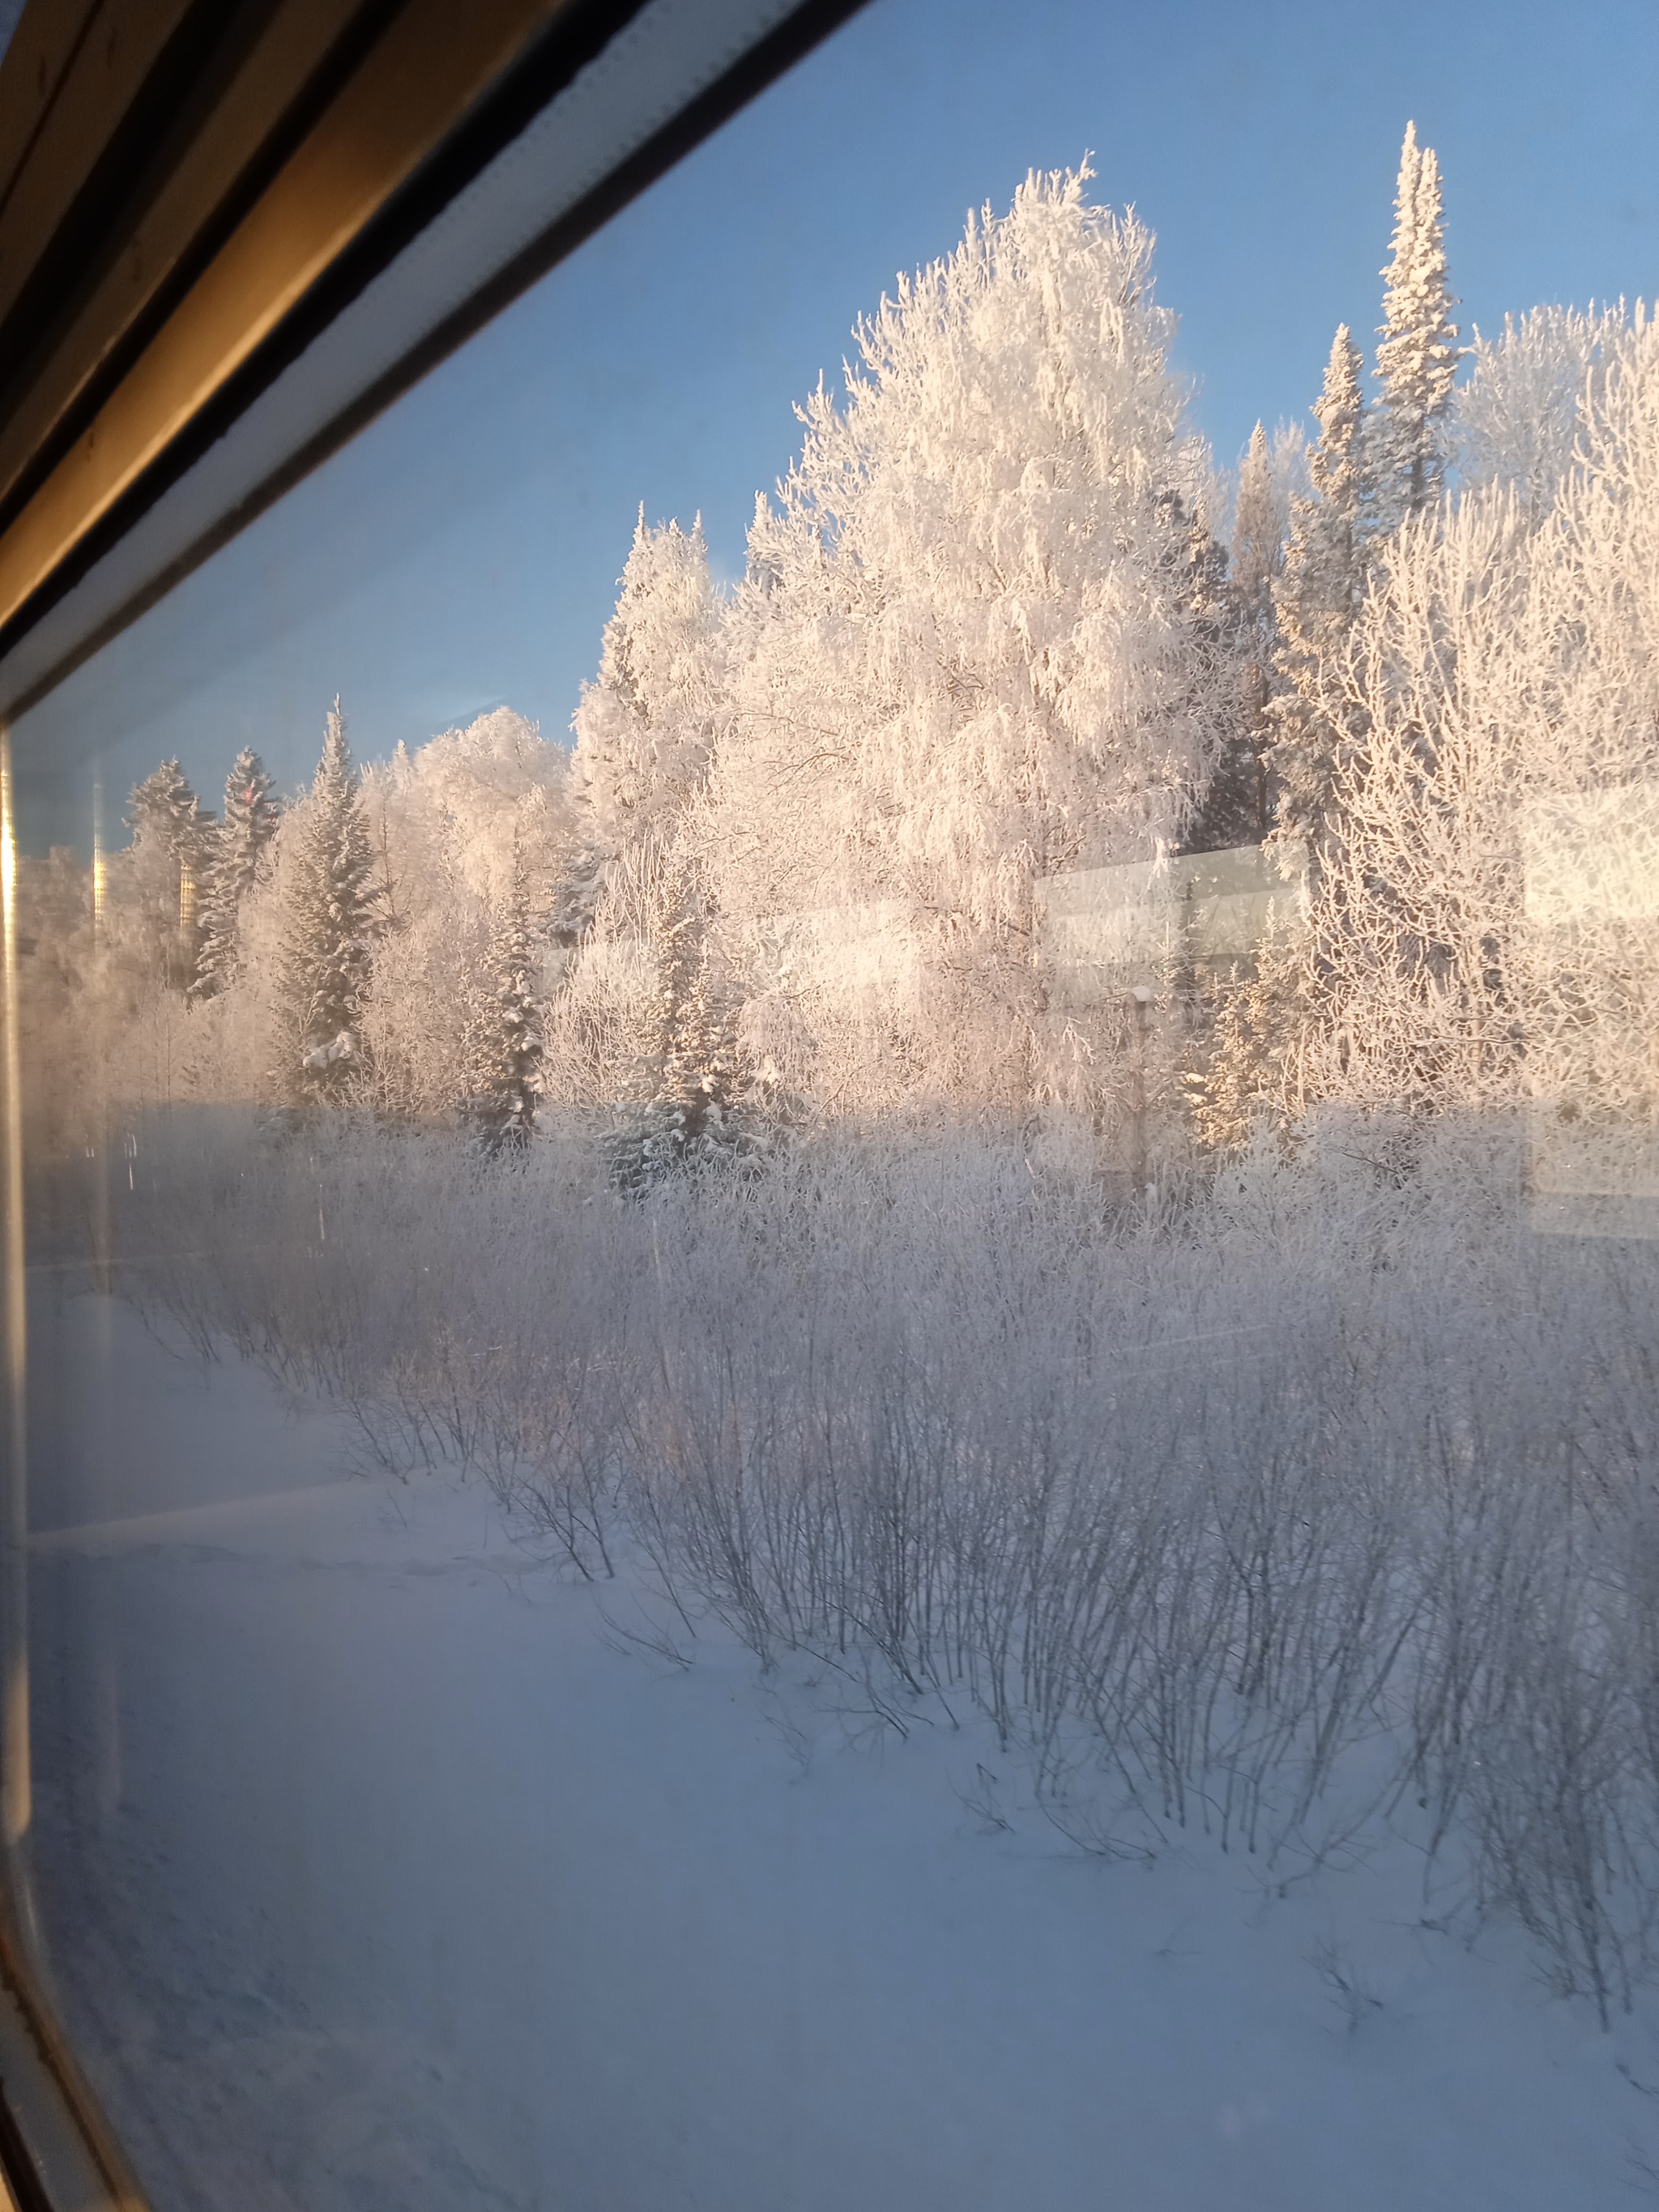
<point>376,1870</point>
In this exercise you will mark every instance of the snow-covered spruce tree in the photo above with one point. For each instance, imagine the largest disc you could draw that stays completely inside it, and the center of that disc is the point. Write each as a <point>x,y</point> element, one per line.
<point>238,856</point>
<point>1369,473</point>
<point>1196,582</point>
<point>158,885</point>
<point>1237,808</point>
<point>964,660</point>
<point>1416,354</point>
<point>504,1038</point>
<point>329,909</point>
<point>1316,598</point>
<point>1252,1067</point>
<point>1370,476</point>
<point>681,1109</point>
<point>644,727</point>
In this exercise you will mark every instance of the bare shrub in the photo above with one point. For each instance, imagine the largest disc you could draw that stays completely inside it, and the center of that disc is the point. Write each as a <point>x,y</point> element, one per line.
<point>1324,1501</point>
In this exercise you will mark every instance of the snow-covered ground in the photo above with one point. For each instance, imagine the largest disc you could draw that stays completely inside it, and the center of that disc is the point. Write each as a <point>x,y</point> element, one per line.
<point>374,1870</point>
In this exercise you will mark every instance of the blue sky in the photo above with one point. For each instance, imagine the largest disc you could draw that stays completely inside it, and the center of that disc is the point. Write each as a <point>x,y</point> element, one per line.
<point>463,551</point>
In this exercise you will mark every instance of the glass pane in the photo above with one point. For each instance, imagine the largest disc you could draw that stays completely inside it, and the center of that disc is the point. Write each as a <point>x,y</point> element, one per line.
<point>841,1318</point>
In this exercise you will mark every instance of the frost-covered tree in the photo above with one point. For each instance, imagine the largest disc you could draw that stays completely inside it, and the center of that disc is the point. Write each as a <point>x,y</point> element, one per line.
<point>504,1038</point>
<point>644,727</point>
<point>1258,536</point>
<point>1521,412</point>
<point>1237,807</point>
<point>1316,597</point>
<point>1196,581</point>
<point>1486,931</point>
<point>1416,354</point>
<point>450,822</point>
<point>1591,832</point>
<point>159,886</point>
<point>964,654</point>
<point>239,855</point>
<point>681,1109</point>
<point>1415,910</point>
<point>329,909</point>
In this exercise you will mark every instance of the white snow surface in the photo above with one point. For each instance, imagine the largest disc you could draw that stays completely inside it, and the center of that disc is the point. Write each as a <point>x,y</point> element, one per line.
<point>373,1871</point>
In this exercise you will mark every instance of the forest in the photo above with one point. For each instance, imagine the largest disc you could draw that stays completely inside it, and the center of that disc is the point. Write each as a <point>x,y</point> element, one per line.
<point>1052,1101</point>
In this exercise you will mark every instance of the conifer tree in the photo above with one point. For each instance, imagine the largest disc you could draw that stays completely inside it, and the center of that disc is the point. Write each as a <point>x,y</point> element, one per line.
<point>1417,354</point>
<point>682,1114</point>
<point>329,909</point>
<point>1237,809</point>
<point>1315,597</point>
<point>505,1040</point>
<point>165,871</point>
<point>1256,549</point>
<point>240,853</point>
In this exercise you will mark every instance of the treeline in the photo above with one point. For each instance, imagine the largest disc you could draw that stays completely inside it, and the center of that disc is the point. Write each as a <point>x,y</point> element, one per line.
<point>1003,624</point>
<point>379,942</point>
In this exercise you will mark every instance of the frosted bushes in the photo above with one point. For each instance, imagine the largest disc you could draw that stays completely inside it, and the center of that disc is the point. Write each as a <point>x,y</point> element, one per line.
<point>1559,1784</point>
<point>1531,1530</point>
<point>467,1312</point>
<point>1196,1564</point>
<point>1327,1502</point>
<point>1563,1819</point>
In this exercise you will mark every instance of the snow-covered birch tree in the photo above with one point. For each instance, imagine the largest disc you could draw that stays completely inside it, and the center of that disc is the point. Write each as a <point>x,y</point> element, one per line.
<point>1590,831</point>
<point>1417,902</point>
<point>965,653</point>
<point>1487,931</point>
<point>1530,393</point>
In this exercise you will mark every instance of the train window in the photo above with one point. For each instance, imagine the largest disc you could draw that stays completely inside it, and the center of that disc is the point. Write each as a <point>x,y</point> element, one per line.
<point>837,1102</point>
